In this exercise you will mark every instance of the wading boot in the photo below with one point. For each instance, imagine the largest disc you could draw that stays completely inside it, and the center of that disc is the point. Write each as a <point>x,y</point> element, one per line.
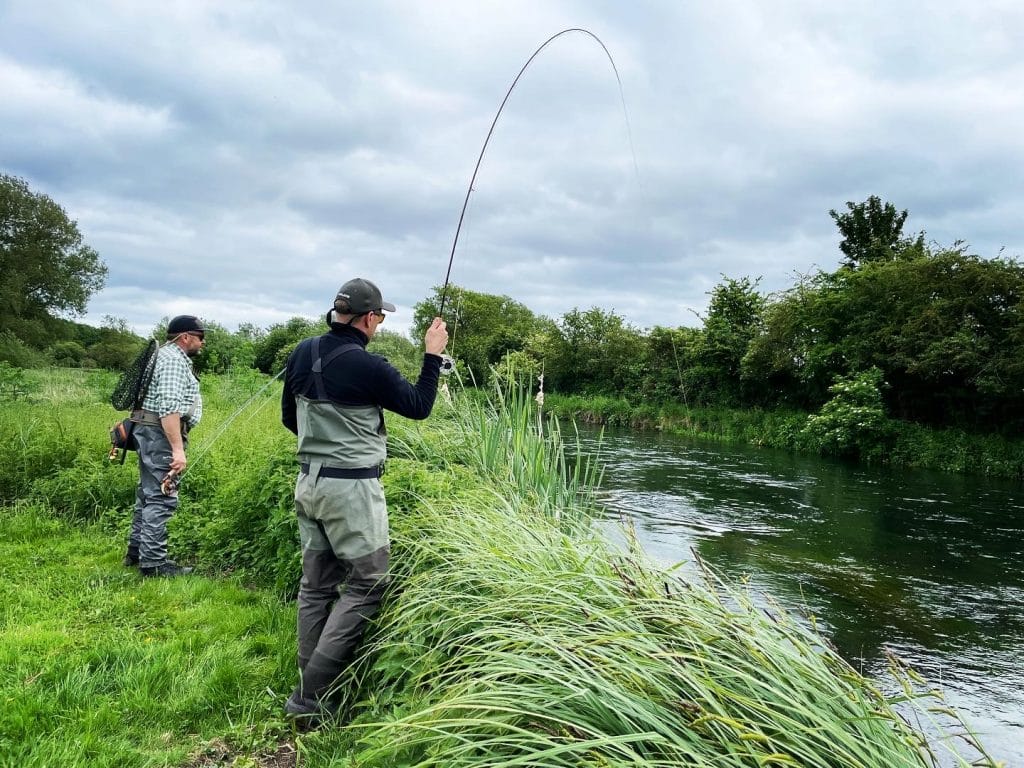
<point>310,704</point>
<point>131,558</point>
<point>166,570</point>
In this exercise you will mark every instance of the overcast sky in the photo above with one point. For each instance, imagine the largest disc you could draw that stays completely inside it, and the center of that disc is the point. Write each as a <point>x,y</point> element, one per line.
<point>240,160</point>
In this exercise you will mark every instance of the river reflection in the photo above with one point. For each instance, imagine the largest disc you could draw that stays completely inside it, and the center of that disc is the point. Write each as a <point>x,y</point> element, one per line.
<point>928,565</point>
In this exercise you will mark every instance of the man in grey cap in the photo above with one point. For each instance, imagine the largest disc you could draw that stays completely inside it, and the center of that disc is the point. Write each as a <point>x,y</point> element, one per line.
<point>335,395</point>
<point>171,407</point>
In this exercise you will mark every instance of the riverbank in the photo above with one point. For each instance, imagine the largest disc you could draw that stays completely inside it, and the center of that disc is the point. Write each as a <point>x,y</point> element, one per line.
<point>514,635</point>
<point>902,444</point>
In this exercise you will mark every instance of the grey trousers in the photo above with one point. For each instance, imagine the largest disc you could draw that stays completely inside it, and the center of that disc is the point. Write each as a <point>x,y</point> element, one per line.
<point>343,529</point>
<point>153,509</point>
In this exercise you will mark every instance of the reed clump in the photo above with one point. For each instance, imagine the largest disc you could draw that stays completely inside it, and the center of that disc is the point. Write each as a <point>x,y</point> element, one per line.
<point>517,637</point>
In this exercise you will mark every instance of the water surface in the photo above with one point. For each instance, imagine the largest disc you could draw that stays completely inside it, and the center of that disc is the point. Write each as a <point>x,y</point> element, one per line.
<point>924,564</point>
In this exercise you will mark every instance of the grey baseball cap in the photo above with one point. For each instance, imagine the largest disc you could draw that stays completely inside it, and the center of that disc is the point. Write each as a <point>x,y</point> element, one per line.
<point>358,296</point>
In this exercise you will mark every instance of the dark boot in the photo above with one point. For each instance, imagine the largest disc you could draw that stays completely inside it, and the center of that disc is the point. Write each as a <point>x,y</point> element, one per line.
<point>169,569</point>
<point>131,558</point>
<point>311,702</point>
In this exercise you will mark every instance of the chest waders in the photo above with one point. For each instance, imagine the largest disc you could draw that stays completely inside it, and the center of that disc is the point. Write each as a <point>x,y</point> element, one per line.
<point>343,528</point>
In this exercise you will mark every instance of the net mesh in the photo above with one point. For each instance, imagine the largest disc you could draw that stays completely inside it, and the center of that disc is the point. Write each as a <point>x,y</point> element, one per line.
<point>131,387</point>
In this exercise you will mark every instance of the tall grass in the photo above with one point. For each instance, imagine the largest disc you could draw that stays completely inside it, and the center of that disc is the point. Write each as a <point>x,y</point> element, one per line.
<point>511,641</point>
<point>513,634</point>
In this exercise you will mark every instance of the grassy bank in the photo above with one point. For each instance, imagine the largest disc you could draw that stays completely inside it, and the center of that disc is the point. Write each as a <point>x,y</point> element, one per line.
<point>512,636</point>
<point>99,668</point>
<point>895,443</point>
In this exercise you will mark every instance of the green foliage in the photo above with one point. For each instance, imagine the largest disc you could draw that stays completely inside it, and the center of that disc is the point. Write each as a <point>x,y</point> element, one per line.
<point>114,350</point>
<point>224,351</point>
<point>69,354</point>
<point>243,519</point>
<point>943,328</point>
<point>735,316</point>
<point>399,351</point>
<point>13,384</point>
<point>45,267</point>
<point>873,232</point>
<point>482,327</point>
<point>271,349</point>
<point>592,352</point>
<point>671,370</point>
<point>853,422</point>
<point>17,353</point>
<point>516,368</point>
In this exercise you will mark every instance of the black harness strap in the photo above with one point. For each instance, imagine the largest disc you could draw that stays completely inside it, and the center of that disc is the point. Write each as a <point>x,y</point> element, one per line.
<point>320,363</point>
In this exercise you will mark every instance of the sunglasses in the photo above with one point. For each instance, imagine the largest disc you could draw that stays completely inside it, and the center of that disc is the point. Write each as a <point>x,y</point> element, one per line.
<point>380,315</point>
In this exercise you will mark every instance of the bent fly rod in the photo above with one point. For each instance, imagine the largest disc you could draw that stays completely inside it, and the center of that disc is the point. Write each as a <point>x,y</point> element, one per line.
<point>490,132</point>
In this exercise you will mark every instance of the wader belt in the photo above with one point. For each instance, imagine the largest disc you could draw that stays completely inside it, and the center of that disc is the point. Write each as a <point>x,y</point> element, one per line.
<point>358,473</point>
<point>146,417</point>
<point>152,418</point>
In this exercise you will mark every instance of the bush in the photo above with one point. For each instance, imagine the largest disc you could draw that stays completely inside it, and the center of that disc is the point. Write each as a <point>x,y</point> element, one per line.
<point>853,423</point>
<point>13,384</point>
<point>18,354</point>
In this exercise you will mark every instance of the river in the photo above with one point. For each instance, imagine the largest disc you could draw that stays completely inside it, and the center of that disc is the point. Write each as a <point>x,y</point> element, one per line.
<point>927,565</point>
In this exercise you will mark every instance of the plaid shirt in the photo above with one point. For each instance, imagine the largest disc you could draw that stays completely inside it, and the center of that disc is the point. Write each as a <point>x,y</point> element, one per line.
<point>174,388</point>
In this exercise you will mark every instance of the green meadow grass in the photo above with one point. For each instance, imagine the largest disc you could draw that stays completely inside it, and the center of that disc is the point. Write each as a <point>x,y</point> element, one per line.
<point>101,668</point>
<point>512,635</point>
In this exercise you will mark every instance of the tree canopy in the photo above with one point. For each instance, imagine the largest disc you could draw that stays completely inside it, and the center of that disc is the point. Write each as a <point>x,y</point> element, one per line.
<point>873,231</point>
<point>45,267</point>
<point>482,327</point>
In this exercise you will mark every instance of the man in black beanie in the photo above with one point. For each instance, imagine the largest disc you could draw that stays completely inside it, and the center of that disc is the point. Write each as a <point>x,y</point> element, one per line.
<point>171,407</point>
<point>335,395</point>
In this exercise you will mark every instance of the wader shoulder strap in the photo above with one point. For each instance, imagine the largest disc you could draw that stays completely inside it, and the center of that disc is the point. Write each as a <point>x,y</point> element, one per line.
<point>319,363</point>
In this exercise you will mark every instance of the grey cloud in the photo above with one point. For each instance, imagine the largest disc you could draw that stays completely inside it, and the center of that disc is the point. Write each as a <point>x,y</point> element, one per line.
<point>250,159</point>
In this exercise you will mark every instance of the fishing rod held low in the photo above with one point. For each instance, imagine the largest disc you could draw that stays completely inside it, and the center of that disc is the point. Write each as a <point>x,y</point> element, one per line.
<point>480,157</point>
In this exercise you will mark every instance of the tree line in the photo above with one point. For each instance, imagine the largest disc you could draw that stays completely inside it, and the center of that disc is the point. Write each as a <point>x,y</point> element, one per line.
<point>924,334</point>
<point>908,330</point>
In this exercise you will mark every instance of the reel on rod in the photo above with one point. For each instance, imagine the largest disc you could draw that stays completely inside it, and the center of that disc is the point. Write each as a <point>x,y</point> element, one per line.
<point>447,364</point>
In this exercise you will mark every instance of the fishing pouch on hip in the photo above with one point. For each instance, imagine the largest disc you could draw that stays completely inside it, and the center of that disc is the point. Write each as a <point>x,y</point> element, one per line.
<point>122,436</point>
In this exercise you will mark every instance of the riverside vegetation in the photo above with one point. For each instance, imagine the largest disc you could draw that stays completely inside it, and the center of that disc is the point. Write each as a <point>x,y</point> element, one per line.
<point>906,354</point>
<point>513,636</point>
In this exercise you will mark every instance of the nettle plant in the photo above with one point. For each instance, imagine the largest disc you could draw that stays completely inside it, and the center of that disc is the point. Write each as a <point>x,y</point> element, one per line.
<point>854,421</point>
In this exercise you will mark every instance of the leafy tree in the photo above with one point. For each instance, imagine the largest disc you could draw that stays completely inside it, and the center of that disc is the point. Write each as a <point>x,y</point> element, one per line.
<point>944,328</point>
<point>67,353</point>
<point>45,267</point>
<point>593,352</point>
<point>406,356</point>
<point>18,354</point>
<point>669,364</point>
<point>873,231</point>
<point>482,327</point>
<point>281,338</point>
<point>735,317</point>
<point>114,350</point>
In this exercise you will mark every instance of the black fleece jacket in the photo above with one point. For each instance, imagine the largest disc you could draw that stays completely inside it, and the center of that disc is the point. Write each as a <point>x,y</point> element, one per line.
<point>357,378</point>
